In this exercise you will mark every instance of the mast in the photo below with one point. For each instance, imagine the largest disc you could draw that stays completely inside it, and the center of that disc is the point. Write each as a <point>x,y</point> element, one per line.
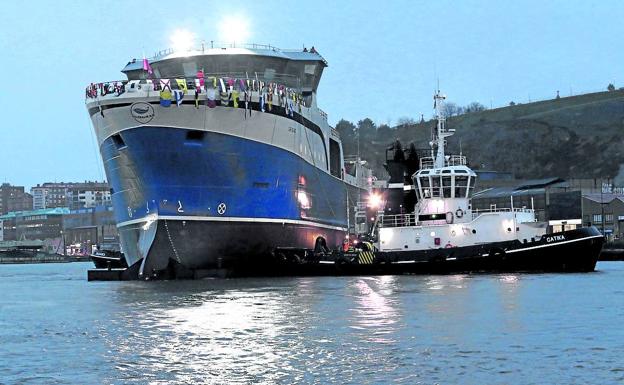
<point>441,133</point>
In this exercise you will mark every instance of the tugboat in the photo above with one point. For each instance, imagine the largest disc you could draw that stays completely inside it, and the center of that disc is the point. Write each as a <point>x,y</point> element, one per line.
<point>444,234</point>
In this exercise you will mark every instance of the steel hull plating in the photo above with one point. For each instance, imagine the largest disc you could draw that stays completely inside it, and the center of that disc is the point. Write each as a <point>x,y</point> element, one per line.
<point>570,251</point>
<point>213,199</point>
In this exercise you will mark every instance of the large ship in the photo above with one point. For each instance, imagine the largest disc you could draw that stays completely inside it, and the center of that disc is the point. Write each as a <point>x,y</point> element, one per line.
<point>217,156</point>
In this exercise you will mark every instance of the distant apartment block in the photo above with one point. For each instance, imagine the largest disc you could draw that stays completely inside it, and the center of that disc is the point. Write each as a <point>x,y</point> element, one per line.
<point>14,198</point>
<point>74,195</point>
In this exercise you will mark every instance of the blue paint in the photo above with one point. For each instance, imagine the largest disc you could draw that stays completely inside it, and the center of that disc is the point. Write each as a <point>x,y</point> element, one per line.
<point>159,166</point>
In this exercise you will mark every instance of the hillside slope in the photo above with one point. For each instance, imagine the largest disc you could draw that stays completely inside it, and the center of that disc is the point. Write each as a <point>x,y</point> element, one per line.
<point>579,136</point>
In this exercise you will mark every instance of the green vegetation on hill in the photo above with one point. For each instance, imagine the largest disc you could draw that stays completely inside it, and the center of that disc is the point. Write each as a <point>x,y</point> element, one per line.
<point>579,136</point>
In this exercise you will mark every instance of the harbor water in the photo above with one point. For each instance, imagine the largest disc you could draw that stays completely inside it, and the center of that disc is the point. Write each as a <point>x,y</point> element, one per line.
<point>57,328</point>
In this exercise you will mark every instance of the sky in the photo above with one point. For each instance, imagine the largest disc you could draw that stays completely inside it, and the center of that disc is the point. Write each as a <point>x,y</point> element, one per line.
<point>385,59</point>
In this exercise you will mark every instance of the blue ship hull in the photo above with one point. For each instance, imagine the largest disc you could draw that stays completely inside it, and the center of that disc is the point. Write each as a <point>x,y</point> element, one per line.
<point>207,199</point>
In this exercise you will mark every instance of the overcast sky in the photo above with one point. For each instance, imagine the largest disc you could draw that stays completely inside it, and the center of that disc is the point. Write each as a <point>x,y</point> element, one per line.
<point>384,59</point>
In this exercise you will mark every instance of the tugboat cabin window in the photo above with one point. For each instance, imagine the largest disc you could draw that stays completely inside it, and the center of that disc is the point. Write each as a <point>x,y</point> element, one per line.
<point>435,186</point>
<point>472,180</point>
<point>446,186</point>
<point>461,186</point>
<point>425,187</point>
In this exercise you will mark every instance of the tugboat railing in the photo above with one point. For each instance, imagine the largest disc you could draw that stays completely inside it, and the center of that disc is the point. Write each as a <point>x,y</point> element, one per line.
<point>479,212</point>
<point>398,220</point>
<point>405,220</point>
<point>452,160</point>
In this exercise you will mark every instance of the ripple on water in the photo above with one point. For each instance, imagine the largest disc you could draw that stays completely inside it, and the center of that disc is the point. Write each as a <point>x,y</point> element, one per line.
<point>355,330</point>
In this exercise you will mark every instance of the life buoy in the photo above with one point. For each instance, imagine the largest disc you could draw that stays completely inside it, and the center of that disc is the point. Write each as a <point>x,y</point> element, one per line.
<point>449,217</point>
<point>459,213</point>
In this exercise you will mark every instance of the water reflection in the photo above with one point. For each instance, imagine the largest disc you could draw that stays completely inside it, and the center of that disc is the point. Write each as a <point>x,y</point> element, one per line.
<point>376,311</point>
<point>207,333</point>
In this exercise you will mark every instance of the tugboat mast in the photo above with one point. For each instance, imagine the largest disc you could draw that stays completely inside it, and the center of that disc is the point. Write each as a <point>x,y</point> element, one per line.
<point>439,137</point>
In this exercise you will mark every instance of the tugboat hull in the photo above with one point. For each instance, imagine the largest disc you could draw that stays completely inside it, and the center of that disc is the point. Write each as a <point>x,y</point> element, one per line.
<point>568,251</point>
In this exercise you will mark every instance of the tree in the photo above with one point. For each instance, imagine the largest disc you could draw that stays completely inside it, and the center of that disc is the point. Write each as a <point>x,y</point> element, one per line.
<point>512,103</point>
<point>474,107</point>
<point>384,133</point>
<point>367,130</point>
<point>347,133</point>
<point>452,109</point>
<point>610,87</point>
<point>405,121</point>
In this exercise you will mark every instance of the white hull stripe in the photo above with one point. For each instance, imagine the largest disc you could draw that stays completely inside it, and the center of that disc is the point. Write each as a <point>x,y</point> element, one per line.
<point>526,248</point>
<point>228,219</point>
<point>552,244</point>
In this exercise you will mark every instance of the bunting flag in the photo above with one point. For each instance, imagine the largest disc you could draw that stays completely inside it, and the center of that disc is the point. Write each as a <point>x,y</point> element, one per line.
<point>147,67</point>
<point>290,108</point>
<point>182,85</point>
<point>246,98</point>
<point>165,85</point>
<point>200,77</point>
<point>225,99</point>
<point>210,97</point>
<point>179,95</point>
<point>235,98</point>
<point>165,98</point>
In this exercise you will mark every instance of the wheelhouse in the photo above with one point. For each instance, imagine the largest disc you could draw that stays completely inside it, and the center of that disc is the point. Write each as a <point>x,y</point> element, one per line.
<point>445,182</point>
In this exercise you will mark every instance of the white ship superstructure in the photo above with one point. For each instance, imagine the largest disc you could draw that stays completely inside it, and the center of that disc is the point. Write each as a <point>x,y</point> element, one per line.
<point>443,216</point>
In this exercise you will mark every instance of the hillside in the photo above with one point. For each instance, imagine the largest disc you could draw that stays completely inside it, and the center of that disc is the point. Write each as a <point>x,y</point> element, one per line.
<point>578,136</point>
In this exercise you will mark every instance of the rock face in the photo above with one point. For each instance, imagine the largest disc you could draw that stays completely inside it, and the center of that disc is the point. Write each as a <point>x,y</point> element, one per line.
<point>579,136</point>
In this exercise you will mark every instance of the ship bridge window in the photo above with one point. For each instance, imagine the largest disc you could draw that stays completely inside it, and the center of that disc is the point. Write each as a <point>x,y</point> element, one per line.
<point>436,186</point>
<point>190,69</point>
<point>471,185</point>
<point>334,158</point>
<point>425,187</point>
<point>461,186</point>
<point>446,186</point>
<point>446,171</point>
<point>269,74</point>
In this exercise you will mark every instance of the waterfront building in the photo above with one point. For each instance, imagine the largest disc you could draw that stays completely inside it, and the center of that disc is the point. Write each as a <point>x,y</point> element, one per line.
<point>14,198</point>
<point>85,228</point>
<point>606,212</point>
<point>74,195</point>
<point>552,199</point>
<point>44,224</point>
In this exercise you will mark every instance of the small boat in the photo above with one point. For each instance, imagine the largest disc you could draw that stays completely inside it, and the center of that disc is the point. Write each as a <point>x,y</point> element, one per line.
<point>447,235</point>
<point>108,259</point>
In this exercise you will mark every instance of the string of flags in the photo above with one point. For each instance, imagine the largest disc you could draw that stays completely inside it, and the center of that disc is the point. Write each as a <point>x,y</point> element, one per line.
<point>224,91</point>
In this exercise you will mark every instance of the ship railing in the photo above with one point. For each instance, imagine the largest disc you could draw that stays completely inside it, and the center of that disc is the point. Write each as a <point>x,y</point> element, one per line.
<point>398,220</point>
<point>116,88</point>
<point>204,45</point>
<point>479,212</point>
<point>450,160</point>
<point>361,206</point>
<point>324,116</point>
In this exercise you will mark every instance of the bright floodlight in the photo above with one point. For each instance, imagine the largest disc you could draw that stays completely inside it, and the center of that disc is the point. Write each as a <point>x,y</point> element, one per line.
<point>233,29</point>
<point>374,200</point>
<point>182,40</point>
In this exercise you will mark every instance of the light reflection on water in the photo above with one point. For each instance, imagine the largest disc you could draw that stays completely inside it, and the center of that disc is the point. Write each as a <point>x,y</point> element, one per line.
<point>390,329</point>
